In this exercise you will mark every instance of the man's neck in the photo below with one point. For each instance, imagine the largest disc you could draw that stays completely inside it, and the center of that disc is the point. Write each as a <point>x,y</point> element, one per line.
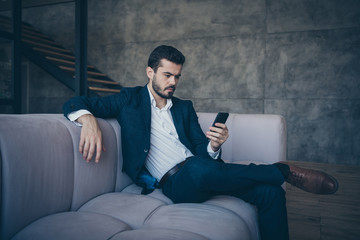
<point>160,101</point>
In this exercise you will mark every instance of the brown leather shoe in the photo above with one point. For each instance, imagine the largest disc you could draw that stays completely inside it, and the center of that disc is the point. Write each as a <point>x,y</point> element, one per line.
<point>312,181</point>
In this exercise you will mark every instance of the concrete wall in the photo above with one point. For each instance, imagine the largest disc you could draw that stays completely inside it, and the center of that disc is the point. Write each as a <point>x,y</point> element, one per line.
<point>297,58</point>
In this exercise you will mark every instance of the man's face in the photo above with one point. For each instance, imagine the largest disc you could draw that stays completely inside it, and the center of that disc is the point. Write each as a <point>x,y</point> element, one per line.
<point>165,80</point>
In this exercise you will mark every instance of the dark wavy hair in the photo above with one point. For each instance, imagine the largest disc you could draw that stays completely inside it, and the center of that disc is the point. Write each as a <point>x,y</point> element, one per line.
<point>165,52</point>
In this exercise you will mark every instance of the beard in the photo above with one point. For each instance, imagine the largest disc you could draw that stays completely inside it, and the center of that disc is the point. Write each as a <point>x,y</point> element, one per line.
<point>160,92</point>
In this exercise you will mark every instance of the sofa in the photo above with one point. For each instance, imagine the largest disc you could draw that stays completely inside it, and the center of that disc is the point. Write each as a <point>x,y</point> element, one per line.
<point>49,192</point>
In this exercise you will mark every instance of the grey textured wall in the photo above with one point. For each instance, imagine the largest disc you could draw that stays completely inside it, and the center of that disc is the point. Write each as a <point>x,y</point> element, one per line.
<point>297,58</point>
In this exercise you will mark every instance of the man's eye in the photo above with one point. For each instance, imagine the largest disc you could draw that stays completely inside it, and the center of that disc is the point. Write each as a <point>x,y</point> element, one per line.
<point>167,75</point>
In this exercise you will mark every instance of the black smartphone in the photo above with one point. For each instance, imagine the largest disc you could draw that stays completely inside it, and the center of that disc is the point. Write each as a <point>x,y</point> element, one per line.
<point>221,117</point>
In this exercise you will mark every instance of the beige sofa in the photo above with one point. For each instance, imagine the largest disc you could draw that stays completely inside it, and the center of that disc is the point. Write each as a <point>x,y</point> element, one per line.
<point>49,192</point>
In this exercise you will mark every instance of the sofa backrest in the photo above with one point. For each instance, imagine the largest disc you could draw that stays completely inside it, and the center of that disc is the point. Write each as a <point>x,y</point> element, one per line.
<point>259,138</point>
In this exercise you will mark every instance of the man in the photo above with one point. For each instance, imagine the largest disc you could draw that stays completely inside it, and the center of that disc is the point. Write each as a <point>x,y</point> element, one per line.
<point>164,146</point>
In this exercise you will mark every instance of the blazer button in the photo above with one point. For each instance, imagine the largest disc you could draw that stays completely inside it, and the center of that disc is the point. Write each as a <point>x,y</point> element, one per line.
<point>146,150</point>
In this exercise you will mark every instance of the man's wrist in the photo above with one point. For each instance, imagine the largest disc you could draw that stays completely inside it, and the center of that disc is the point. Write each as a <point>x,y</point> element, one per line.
<point>212,153</point>
<point>74,116</point>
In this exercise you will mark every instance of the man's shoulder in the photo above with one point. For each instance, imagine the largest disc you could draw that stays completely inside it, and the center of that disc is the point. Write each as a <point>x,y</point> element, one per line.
<point>182,103</point>
<point>130,90</point>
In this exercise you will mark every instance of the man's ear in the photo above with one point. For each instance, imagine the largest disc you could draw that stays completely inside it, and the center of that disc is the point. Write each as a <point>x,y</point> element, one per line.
<point>150,72</point>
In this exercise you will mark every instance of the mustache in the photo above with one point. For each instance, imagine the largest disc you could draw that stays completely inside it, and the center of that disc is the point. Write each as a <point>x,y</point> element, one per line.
<point>170,87</point>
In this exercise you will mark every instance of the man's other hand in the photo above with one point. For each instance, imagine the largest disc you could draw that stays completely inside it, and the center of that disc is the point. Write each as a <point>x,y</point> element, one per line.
<point>218,135</point>
<point>90,138</point>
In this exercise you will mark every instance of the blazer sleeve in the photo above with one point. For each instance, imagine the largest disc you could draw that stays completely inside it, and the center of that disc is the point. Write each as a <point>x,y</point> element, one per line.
<point>105,107</point>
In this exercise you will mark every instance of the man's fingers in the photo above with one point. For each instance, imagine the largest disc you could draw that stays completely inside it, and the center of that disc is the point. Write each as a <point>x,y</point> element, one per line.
<point>91,152</point>
<point>81,145</point>
<point>85,150</point>
<point>90,149</point>
<point>99,147</point>
<point>218,135</point>
<point>90,139</point>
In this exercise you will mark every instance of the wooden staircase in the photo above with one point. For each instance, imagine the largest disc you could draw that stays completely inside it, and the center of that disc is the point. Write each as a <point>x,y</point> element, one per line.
<point>58,61</point>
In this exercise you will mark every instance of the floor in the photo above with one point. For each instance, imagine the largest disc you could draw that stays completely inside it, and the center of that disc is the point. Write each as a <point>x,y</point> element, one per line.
<point>330,217</point>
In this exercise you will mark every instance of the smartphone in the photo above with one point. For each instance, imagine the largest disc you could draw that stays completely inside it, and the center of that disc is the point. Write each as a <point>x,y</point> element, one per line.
<point>221,117</point>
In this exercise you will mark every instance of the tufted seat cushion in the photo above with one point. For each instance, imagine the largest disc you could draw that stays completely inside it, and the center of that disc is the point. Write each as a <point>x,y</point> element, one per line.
<point>146,212</point>
<point>156,211</point>
<point>157,234</point>
<point>73,225</point>
<point>124,215</point>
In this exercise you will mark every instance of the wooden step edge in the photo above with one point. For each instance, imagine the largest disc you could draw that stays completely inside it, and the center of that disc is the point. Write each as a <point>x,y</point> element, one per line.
<point>24,27</point>
<point>46,46</point>
<point>35,33</point>
<point>103,81</point>
<point>8,28</point>
<point>53,53</point>
<point>64,61</point>
<point>29,27</point>
<point>9,22</point>
<point>24,36</point>
<point>104,89</point>
<point>89,72</point>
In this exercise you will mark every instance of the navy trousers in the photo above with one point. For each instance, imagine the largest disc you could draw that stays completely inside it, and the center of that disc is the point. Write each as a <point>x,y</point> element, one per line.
<point>201,178</point>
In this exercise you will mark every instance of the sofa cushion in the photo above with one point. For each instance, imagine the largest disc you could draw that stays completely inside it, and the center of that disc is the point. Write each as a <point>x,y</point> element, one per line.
<point>158,234</point>
<point>149,213</point>
<point>202,219</point>
<point>130,208</point>
<point>73,225</point>
<point>157,193</point>
<point>243,209</point>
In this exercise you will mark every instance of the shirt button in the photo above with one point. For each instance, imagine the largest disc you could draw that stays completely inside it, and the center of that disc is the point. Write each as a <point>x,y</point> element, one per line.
<point>146,150</point>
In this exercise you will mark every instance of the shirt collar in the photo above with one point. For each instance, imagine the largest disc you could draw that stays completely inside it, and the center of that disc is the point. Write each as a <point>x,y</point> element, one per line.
<point>153,102</point>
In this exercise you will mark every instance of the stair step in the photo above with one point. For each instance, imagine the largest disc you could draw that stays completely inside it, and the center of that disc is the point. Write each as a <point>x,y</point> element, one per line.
<point>64,61</point>
<point>89,72</point>
<point>6,26</point>
<point>27,36</point>
<point>103,81</point>
<point>53,53</point>
<point>29,28</point>
<point>39,34</point>
<point>46,46</point>
<point>104,89</point>
<point>26,27</point>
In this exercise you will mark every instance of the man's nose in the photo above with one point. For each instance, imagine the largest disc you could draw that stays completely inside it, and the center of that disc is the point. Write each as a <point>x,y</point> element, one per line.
<point>172,80</point>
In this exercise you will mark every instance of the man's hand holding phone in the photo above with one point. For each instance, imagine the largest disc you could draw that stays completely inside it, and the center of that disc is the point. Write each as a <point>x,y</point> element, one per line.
<point>218,133</point>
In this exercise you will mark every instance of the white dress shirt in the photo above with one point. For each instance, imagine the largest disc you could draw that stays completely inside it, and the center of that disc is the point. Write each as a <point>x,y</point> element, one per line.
<point>166,150</point>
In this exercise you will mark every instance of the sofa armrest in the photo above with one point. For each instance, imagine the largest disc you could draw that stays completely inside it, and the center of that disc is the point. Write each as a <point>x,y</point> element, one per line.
<point>42,171</point>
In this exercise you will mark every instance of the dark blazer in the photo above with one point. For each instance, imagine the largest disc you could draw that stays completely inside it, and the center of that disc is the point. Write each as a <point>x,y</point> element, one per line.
<point>131,107</point>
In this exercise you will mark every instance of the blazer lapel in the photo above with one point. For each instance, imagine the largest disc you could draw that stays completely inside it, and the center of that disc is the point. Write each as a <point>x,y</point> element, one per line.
<point>145,106</point>
<point>179,124</point>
